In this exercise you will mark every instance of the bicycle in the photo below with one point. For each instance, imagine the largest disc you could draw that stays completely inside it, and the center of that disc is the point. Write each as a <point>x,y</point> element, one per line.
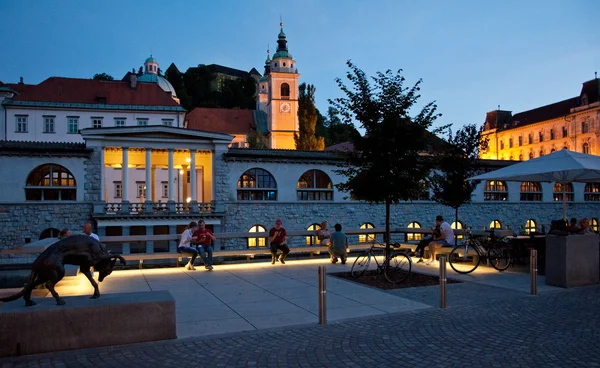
<point>396,267</point>
<point>496,253</point>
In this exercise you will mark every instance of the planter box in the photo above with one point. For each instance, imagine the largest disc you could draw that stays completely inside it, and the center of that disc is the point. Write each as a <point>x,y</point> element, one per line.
<point>572,260</point>
<point>114,319</point>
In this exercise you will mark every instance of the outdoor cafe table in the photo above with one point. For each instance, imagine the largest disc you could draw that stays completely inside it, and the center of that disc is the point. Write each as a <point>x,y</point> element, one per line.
<point>522,245</point>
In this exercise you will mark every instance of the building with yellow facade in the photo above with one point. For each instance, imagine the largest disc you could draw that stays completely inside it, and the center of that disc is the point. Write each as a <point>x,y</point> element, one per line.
<point>573,124</point>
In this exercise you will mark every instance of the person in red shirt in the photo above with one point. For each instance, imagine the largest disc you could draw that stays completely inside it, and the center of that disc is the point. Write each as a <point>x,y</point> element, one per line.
<point>278,241</point>
<point>204,242</point>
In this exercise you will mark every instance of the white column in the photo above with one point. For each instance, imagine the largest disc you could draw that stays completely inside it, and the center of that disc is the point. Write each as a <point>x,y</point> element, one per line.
<point>171,191</point>
<point>193,187</point>
<point>102,169</point>
<point>148,174</point>
<point>125,176</point>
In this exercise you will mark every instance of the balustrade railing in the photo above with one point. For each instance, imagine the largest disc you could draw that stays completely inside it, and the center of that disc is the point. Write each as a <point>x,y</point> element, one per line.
<point>158,208</point>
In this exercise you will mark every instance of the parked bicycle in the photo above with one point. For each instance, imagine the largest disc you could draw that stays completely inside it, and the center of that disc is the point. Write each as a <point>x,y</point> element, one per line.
<point>396,267</point>
<point>466,258</point>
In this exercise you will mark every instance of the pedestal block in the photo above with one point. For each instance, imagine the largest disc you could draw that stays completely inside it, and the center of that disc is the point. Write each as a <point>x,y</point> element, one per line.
<point>572,260</point>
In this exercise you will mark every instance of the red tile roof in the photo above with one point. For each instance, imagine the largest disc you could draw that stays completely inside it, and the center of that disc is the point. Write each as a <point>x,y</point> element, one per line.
<point>229,121</point>
<point>87,91</point>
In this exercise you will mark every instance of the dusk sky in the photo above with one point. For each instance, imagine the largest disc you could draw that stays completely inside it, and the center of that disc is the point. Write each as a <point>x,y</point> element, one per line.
<point>471,55</point>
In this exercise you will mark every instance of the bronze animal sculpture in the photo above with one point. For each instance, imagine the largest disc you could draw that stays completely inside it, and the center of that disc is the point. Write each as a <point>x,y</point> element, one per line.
<point>80,250</point>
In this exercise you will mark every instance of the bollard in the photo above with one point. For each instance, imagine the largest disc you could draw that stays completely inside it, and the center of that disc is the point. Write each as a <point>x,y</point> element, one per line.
<point>443,282</point>
<point>533,270</point>
<point>322,297</point>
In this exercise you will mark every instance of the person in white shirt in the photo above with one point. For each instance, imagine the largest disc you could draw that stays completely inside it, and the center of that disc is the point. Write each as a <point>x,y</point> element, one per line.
<point>87,230</point>
<point>447,238</point>
<point>186,244</point>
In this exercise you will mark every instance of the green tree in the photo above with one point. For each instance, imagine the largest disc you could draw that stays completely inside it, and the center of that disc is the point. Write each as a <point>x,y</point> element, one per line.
<point>103,77</point>
<point>337,130</point>
<point>387,163</point>
<point>256,139</point>
<point>457,162</point>
<point>307,120</point>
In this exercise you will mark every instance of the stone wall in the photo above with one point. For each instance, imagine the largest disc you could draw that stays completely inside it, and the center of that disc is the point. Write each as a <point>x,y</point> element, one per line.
<point>299,216</point>
<point>221,177</point>
<point>28,220</point>
<point>92,175</point>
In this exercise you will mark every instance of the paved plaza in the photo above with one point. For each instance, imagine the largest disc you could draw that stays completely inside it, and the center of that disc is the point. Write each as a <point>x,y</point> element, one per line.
<point>261,315</point>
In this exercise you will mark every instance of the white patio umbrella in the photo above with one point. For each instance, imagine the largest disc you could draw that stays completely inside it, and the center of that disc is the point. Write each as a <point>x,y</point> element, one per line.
<point>563,167</point>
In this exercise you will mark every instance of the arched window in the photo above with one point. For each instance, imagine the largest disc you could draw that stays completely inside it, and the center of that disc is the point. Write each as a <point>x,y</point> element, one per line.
<point>457,225</point>
<point>314,185</point>
<point>256,185</point>
<point>558,192</point>
<point>50,233</point>
<point>552,150</point>
<point>312,239</point>
<point>495,191</point>
<point>414,236</point>
<point>594,224</point>
<point>542,152</point>
<point>592,192</point>
<point>531,191</point>
<point>521,157</point>
<point>530,226</point>
<point>585,148</point>
<point>495,224</point>
<point>257,242</point>
<point>364,238</point>
<point>530,155</point>
<point>50,182</point>
<point>285,91</point>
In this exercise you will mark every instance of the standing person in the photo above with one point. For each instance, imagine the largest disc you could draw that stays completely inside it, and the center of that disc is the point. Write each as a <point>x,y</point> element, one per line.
<point>446,239</point>
<point>64,233</point>
<point>87,230</point>
<point>204,240</point>
<point>186,245</point>
<point>339,244</point>
<point>324,235</point>
<point>278,241</point>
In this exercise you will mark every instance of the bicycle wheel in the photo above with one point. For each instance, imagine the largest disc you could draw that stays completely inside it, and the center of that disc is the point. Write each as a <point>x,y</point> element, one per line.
<point>361,264</point>
<point>464,258</point>
<point>398,268</point>
<point>499,258</point>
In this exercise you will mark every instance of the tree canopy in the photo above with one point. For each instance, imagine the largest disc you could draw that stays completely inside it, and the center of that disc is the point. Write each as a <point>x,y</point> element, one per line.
<point>103,77</point>
<point>307,120</point>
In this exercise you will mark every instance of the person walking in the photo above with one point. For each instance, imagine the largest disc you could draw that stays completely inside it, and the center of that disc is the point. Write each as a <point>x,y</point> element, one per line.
<point>204,240</point>
<point>186,244</point>
<point>278,241</point>
<point>338,245</point>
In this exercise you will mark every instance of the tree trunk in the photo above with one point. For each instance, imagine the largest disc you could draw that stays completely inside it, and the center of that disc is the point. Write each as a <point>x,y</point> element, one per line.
<point>456,222</point>
<point>387,230</point>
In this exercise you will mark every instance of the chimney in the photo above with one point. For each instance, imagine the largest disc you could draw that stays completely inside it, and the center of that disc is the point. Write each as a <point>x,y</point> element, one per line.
<point>21,80</point>
<point>132,80</point>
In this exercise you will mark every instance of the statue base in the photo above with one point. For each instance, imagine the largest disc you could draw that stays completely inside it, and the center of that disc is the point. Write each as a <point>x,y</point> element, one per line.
<point>113,319</point>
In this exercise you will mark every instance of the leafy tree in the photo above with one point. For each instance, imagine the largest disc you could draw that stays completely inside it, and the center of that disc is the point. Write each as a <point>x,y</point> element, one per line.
<point>256,139</point>
<point>307,120</point>
<point>456,163</point>
<point>387,164</point>
<point>321,129</point>
<point>337,130</point>
<point>103,77</point>
<point>140,71</point>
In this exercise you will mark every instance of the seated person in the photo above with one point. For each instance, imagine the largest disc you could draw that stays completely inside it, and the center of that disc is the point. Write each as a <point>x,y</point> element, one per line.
<point>447,238</point>
<point>436,234</point>
<point>573,228</point>
<point>324,235</point>
<point>584,227</point>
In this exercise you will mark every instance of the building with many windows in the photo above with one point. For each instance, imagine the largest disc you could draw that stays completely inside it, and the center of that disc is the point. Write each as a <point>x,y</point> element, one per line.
<point>573,124</point>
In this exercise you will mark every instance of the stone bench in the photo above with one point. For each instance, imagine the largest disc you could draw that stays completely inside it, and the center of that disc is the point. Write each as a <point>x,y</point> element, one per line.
<point>114,319</point>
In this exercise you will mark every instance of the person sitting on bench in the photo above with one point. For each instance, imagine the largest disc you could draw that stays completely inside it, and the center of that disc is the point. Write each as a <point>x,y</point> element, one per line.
<point>186,244</point>
<point>278,241</point>
<point>447,238</point>
<point>435,235</point>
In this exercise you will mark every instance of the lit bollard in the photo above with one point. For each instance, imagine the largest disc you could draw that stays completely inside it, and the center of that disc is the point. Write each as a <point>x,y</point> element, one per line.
<point>322,297</point>
<point>443,282</point>
<point>533,270</point>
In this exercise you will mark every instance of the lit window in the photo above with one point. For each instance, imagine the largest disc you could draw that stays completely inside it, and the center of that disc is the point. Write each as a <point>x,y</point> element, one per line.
<point>48,124</point>
<point>314,185</point>
<point>530,226</point>
<point>594,224</point>
<point>520,141</point>
<point>120,122</point>
<point>585,127</point>
<point>510,143</point>
<point>495,191</point>
<point>457,225</point>
<point>558,192</point>
<point>585,148</point>
<point>50,182</point>
<point>96,123</point>
<point>531,191</point>
<point>312,239</point>
<point>592,192</point>
<point>256,185</point>
<point>118,189</point>
<point>73,125</point>
<point>142,122</point>
<point>364,238</point>
<point>254,242</point>
<point>495,224</point>
<point>414,236</point>
<point>521,157</point>
<point>565,132</point>
<point>141,189</point>
<point>21,126</point>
